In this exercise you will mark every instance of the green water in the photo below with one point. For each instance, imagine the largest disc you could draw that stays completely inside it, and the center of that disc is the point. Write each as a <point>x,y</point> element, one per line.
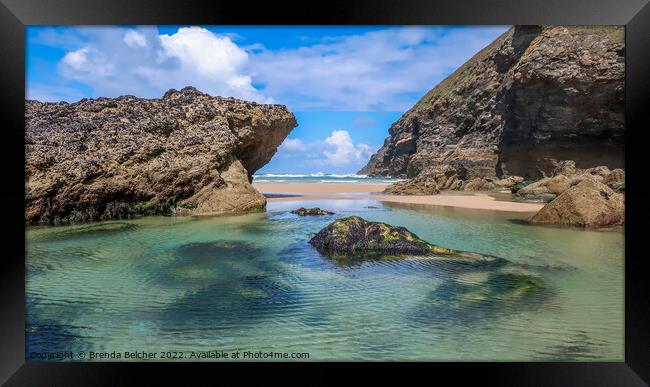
<point>253,283</point>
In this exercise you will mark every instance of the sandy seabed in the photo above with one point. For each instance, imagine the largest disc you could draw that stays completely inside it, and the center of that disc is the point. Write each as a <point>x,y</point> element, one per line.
<point>351,191</point>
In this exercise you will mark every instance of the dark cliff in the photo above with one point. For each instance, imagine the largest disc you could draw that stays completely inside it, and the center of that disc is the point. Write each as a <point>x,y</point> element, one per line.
<point>186,152</point>
<point>533,96</point>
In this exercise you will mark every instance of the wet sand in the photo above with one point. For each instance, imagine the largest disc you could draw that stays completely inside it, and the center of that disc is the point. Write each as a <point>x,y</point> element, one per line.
<point>333,191</point>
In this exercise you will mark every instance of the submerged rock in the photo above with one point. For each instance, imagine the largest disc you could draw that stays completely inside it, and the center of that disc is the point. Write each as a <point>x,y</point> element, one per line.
<point>356,237</point>
<point>311,211</point>
<point>501,286</point>
<point>184,153</point>
<point>587,204</point>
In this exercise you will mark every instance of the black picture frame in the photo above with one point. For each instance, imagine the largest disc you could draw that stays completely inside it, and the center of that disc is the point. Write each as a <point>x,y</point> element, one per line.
<point>16,14</point>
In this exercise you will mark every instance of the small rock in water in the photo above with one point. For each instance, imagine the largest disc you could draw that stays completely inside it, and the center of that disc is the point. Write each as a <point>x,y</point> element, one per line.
<point>311,211</point>
<point>356,237</point>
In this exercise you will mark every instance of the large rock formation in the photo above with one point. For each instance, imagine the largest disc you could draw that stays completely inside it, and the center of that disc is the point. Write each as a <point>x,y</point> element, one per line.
<point>586,204</point>
<point>534,95</point>
<point>186,152</point>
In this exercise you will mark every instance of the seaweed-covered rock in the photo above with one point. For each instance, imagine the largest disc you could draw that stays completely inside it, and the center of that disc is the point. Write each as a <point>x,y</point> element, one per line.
<point>302,211</point>
<point>355,238</point>
<point>587,204</point>
<point>357,235</point>
<point>111,158</point>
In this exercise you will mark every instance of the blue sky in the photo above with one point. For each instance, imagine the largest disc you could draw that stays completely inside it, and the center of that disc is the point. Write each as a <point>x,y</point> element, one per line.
<point>346,85</point>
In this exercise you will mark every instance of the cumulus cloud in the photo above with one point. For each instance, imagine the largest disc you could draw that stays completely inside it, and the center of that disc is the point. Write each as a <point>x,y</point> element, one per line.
<point>134,39</point>
<point>117,61</point>
<point>293,144</point>
<point>379,70</point>
<point>345,152</point>
<point>384,70</point>
<point>337,150</point>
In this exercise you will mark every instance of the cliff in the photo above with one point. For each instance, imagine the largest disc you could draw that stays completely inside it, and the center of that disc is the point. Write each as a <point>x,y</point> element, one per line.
<point>536,95</point>
<point>186,152</point>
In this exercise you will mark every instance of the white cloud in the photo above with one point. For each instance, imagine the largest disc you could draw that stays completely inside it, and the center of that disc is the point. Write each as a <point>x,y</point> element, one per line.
<point>293,144</point>
<point>86,63</point>
<point>134,39</point>
<point>76,59</point>
<point>379,70</point>
<point>193,56</point>
<point>344,151</point>
<point>337,150</point>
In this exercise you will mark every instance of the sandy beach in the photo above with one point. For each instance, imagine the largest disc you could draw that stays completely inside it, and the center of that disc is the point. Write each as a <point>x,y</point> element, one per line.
<point>334,191</point>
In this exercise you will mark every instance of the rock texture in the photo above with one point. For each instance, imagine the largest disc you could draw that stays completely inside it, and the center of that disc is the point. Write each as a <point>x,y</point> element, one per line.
<point>186,152</point>
<point>417,186</point>
<point>354,238</point>
<point>356,235</point>
<point>586,204</point>
<point>566,175</point>
<point>302,211</point>
<point>479,184</point>
<point>430,182</point>
<point>535,95</point>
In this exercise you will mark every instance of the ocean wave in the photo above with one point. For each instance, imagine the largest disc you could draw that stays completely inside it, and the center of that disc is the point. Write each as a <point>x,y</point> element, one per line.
<point>339,181</point>
<point>318,174</point>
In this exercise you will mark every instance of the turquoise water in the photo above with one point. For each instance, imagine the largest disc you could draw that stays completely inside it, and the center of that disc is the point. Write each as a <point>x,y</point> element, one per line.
<point>253,283</point>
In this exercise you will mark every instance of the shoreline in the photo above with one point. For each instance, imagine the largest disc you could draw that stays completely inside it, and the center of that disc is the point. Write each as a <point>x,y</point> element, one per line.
<point>372,191</point>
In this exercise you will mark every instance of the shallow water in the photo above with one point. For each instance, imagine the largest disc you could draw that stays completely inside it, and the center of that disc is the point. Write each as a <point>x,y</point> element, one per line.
<point>253,283</point>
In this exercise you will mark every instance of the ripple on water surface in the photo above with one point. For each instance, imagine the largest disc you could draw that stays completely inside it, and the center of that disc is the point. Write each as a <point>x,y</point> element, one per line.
<point>253,282</point>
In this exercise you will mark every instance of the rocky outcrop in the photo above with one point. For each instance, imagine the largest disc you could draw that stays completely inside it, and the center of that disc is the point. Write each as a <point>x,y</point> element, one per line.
<point>302,211</point>
<point>418,186</point>
<point>586,204</point>
<point>566,175</point>
<point>185,153</point>
<point>535,95</point>
<point>616,180</point>
<point>443,177</point>
<point>509,182</point>
<point>354,237</point>
<point>479,184</point>
<point>447,177</point>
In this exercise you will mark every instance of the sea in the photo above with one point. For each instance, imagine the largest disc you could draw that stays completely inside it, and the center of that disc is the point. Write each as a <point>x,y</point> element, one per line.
<point>320,177</point>
<point>192,288</point>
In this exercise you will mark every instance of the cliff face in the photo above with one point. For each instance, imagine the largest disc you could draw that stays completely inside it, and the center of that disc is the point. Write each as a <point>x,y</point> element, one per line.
<point>533,96</point>
<point>186,152</point>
